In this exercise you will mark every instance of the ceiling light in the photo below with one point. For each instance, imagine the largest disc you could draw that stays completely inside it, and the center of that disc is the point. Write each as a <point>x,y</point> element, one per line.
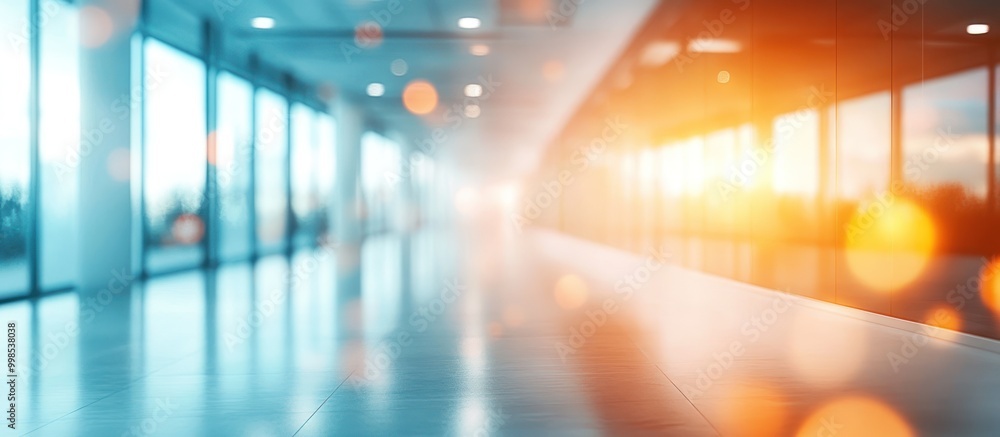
<point>714,45</point>
<point>479,50</point>
<point>473,90</point>
<point>262,22</point>
<point>658,53</point>
<point>978,29</point>
<point>376,89</point>
<point>469,23</point>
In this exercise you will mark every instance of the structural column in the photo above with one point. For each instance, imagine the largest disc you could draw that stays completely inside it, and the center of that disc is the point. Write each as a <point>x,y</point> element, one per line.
<point>350,127</point>
<point>107,103</point>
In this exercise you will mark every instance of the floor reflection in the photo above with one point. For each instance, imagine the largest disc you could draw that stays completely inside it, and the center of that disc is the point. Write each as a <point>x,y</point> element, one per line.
<point>431,334</point>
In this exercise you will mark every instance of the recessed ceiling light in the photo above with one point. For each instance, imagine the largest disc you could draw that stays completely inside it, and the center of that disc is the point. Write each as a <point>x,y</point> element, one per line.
<point>262,23</point>
<point>473,90</point>
<point>469,23</point>
<point>714,45</point>
<point>376,89</point>
<point>479,50</point>
<point>978,29</point>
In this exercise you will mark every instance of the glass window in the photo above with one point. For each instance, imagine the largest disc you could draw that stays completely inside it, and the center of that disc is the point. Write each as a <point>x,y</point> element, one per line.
<point>944,132</point>
<point>326,169</point>
<point>863,145</point>
<point>796,154</point>
<point>380,167</point>
<point>59,146</point>
<point>304,201</point>
<point>233,148</point>
<point>15,80</point>
<point>271,170</point>
<point>174,181</point>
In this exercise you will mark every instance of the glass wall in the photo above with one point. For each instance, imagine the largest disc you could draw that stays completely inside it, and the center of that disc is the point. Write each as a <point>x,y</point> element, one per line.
<point>326,171</point>
<point>380,175</point>
<point>842,162</point>
<point>233,166</point>
<point>271,171</point>
<point>167,166</point>
<point>15,83</point>
<point>305,202</point>
<point>175,151</point>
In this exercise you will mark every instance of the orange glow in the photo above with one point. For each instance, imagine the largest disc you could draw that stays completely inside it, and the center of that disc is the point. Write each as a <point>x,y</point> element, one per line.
<point>420,97</point>
<point>571,292</point>
<point>513,316</point>
<point>553,71</point>
<point>990,288</point>
<point>753,411</point>
<point>889,243</point>
<point>368,35</point>
<point>96,27</point>
<point>533,10</point>
<point>856,416</point>
<point>945,317</point>
<point>496,330</point>
<point>211,151</point>
<point>826,353</point>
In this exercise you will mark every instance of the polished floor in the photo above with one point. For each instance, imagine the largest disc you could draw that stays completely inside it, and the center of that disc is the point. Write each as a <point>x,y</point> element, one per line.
<point>534,335</point>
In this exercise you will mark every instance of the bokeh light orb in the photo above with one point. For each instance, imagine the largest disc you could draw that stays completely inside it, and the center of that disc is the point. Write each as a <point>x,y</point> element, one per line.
<point>420,97</point>
<point>889,243</point>
<point>96,27</point>
<point>753,410</point>
<point>989,279</point>
<point>856,416</point>
<point>368,35</point>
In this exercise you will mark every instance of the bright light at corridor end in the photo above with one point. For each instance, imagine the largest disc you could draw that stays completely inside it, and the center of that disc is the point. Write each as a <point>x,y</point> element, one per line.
<point>469,23</point>
<point>978,29</point>
<point>262,23</point>
<point>479,50</point>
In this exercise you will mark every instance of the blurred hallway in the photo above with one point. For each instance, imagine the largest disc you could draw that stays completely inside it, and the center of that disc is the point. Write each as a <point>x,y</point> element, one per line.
<point>430,334</point>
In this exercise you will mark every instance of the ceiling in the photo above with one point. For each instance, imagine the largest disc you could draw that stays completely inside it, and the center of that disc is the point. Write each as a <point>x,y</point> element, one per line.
<point>545,57</point>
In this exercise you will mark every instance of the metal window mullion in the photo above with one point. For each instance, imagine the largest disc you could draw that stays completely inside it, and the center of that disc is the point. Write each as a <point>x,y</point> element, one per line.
<point>252,201</point>
<point>32,219</point>
<point>210,205</point>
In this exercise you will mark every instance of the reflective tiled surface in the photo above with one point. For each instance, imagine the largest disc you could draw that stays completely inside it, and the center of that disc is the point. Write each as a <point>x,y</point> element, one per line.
<point>433,335</point>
